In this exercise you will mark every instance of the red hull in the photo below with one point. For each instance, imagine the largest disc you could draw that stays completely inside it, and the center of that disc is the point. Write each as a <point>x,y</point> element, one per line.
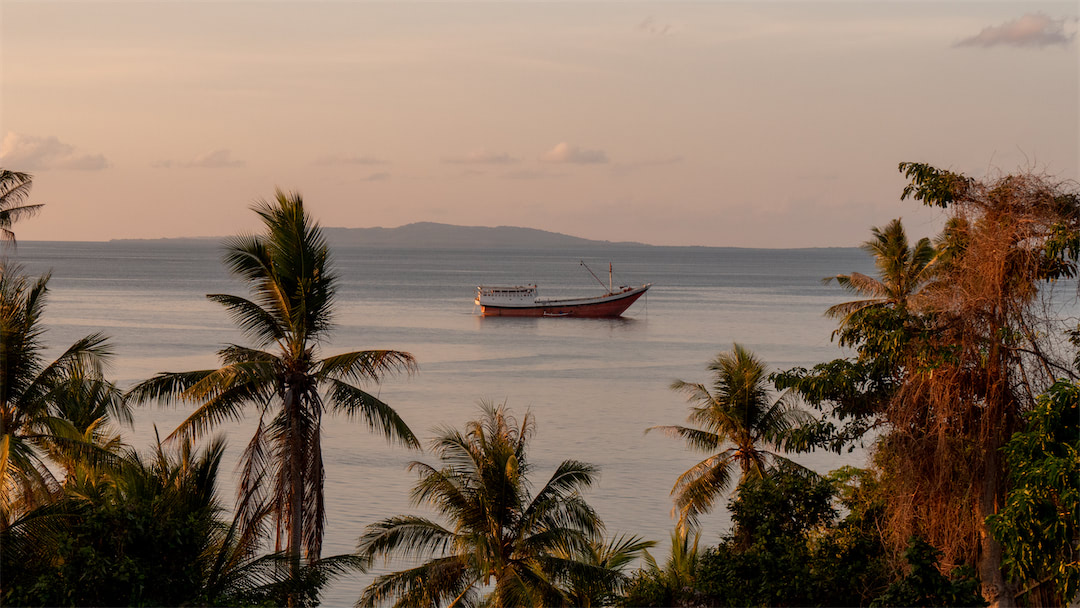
<point>610,308</point>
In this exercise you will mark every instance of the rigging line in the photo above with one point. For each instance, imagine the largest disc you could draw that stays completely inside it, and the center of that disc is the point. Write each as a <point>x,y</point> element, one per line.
<point>594,275</point>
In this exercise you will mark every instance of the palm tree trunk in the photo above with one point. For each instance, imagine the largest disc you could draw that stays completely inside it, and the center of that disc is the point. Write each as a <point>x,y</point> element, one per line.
<point>296,493</point>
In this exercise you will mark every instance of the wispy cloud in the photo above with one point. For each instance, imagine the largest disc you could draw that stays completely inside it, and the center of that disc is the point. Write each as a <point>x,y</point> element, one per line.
<point>215,159</point>
<point>334,160</point>
<point>1033,29</point>
<point>653,27</point>
<point>482,157</point>
<point>31,153</point>
<point>571,154</point>
<point>376,177</point>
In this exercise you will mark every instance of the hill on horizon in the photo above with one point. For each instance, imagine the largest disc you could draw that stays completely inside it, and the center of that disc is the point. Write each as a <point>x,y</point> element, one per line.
<point>433,235</point>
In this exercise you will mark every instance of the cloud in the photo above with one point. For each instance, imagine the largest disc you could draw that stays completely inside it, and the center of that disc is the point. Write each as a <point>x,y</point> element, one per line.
<point>216,159</point>
<point>334,160</point>
<point>30,153</point>
<point>567,153</point>
<point>1033,29</point>
<point>377,177</point>
<point>482,157</point>
<point>653,27</point>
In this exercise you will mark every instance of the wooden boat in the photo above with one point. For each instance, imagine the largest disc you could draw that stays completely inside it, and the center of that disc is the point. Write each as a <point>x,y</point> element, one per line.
<point>524,301</point>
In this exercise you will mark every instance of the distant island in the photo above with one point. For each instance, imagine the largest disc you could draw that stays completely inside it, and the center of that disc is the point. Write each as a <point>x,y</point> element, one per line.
<point>433,235</point>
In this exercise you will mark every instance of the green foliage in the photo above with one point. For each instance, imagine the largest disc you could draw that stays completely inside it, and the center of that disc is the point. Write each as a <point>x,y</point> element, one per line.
<point>1062,249</point>
<point>606,580</point>
<point>649,589</point>
<point>35,395</point>
<point>934,187</point>
<point>926,586</point>
<point>789,505</point>
<point>674,583</point>
<point>522,546</point>
<point>289,273</point>
<point>147,532</point>
<point>903,269</point>
<point>787,548</point>
<point>851,391</point>
<point>134,538</point>
<point>737,412</point>
<point>883,327</point>
<point>14,188</point>
<point>1039,527</point>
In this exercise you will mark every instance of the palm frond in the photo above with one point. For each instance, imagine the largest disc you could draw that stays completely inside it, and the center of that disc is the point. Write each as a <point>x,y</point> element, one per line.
<point>254,320</point>
<point>696,439</point>
<point>166,387</point>
<point>412,536</point>
<point>446,581</point>
<point>367,365</point>
<point>696,490</point>
<point>380,417</point>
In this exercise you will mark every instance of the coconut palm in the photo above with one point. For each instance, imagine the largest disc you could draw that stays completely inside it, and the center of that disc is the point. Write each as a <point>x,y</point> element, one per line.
<point>500,536</point>
<point>14,188</point>
<point>740,413</point>
<point>163,503</point>
<point>31,419</point>
<point>86,406</point>
<point>292,285</point>
<point>679,571</point>
<point>902,271</point>
<point>602,584</point>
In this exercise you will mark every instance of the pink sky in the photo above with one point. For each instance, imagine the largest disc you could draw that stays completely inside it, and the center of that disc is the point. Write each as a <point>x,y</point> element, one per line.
<point>708,123</point>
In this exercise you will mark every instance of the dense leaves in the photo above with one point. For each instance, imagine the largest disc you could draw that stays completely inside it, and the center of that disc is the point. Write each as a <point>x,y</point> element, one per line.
<point>14,189</point>
<point>738,412</point>
<point>292,286</point>
<point>36,396</point>
<point>504,545</point>
<point>925,585</point>
<point>1040,524</point>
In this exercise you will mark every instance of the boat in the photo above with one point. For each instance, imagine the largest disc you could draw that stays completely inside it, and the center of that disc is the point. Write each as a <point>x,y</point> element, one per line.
<point>524,301</point>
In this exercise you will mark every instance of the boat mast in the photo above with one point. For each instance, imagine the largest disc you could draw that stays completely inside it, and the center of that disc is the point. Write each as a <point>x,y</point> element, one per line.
<point>609,283</point>
<point>594,274</point>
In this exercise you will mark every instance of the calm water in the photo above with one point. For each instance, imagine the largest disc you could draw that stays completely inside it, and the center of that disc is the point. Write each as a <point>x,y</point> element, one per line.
<point>594,385</point>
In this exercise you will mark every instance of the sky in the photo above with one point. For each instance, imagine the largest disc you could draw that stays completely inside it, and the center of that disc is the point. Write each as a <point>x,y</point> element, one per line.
<point>747,124</point>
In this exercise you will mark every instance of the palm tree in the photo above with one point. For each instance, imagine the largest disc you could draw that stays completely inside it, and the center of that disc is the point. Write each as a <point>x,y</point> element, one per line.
<point>500,535</point>
<point>739,412</point>
<point>149,506</point>
<point>584,588</point>
<point>902,271</point>
<point>85,408</point>
<point>14,188</point>
<point>677,574</point>
<point>288,271</point>
<point>31,418</point>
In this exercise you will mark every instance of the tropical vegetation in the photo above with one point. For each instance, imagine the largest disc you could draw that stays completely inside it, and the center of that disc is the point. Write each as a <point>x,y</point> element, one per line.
<point>504,545</point>
<point>961,385</point>
<point>289,315</point>
<point>36,395</point>
<point>14,189</point>
<point>738,412</point>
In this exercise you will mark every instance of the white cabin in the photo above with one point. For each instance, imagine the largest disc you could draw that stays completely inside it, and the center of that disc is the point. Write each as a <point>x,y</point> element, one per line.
<point>506,296</point>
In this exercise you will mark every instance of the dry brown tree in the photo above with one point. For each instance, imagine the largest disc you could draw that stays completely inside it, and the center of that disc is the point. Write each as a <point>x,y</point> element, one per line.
<point>985,356</point>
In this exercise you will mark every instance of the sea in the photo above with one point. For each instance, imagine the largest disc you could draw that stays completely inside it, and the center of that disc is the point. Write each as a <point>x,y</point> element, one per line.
<point>593,385</point>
